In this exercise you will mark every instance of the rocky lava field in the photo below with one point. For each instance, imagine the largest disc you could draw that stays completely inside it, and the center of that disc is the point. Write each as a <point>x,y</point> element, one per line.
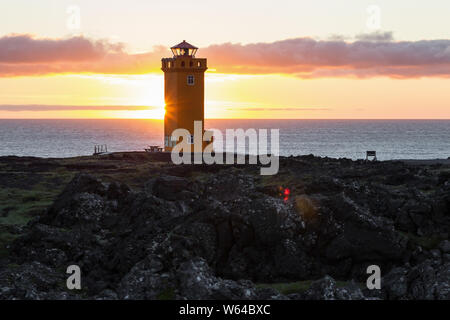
<point>142,228</point>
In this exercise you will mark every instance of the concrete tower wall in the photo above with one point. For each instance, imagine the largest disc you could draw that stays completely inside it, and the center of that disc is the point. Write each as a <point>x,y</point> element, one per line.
<point>184,90</point>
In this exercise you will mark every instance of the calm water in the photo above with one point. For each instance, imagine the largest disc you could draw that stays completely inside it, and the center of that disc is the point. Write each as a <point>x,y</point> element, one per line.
<point>404,139</point>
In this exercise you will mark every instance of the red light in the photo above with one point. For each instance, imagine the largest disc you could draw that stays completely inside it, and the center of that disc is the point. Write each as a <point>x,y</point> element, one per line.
<point>287,192</point>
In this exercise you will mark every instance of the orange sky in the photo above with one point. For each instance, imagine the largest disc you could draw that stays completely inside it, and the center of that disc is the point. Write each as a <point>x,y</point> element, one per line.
<point>331,67</point>
<point>229,96</point>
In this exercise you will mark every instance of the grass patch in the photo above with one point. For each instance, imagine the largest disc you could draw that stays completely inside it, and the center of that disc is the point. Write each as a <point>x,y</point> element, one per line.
<point>278,180</point>
<point>306,207</point>
<point>17,206</point>
<point>135,176</point>
<point>288,180</point>
<point>428,243</point>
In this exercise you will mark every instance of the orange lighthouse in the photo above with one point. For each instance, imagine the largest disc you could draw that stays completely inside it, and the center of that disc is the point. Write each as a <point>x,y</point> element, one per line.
<point>184,91</point>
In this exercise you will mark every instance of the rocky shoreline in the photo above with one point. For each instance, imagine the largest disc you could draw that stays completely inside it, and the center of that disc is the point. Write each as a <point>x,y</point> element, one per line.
<point>142,228</point>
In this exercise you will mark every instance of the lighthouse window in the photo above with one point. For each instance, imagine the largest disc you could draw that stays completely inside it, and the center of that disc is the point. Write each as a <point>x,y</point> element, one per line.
<point>190,80</point>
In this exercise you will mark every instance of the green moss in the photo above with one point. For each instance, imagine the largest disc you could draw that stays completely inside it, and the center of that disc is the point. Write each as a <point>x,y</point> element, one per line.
<point>288,287</point>
<point>5,239</point>
<point>167,294</point>
<point>430,242</point>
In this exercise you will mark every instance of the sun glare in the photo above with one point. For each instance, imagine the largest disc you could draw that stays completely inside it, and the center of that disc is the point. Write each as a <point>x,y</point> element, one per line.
<point>132,90</point>
<point>155,113</point>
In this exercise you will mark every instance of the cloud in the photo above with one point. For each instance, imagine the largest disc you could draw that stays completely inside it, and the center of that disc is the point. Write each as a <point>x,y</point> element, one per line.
<point>376,36</point>
<point>280,109</point>
<point>26,49</point>
<point>37,108</point>
<point>370,55</point>
<point>24,55</point>
<point>309,58</point>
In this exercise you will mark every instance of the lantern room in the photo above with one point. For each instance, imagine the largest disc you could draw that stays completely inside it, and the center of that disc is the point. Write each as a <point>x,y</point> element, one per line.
<point>184,49</point>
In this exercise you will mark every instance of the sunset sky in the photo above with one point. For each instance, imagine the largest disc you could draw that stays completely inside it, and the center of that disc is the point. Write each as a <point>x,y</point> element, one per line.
<point>322,59</point>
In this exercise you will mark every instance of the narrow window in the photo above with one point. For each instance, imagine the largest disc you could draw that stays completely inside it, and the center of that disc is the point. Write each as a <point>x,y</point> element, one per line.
<point>199,64</point>
<point>190,80</point>
<point>191,64</point>
<point>182,64</point>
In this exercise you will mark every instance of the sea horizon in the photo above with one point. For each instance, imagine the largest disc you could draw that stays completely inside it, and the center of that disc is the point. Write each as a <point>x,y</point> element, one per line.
<point>393,139</point>
<point>347,119</point>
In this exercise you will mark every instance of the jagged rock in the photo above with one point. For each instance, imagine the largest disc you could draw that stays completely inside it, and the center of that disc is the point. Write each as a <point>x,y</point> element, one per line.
<point>444,246</point>
<point>327,289</point>
<point>197,282</point>
<point>146,281</point>
<point>358,235</point>
<point>172,188</point>
<point>33,281</point>
<point>107,295</point>
<point>85,202</point>
<point>396,283</point>
<point>429,281</point>
<point>117,191</point>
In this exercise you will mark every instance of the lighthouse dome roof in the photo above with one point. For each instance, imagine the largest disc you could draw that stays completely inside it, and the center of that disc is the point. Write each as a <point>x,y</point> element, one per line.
<point>184,45</point>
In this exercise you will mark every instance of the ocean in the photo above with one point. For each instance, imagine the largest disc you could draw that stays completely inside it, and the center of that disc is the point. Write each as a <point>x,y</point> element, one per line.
<point>392,139</point>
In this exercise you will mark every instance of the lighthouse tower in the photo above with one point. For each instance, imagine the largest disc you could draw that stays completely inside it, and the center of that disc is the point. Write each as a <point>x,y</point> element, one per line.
<point>184,91</point>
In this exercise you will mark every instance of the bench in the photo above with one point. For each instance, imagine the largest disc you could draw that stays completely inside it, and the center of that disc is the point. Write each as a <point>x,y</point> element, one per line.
<point>371,154</point>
